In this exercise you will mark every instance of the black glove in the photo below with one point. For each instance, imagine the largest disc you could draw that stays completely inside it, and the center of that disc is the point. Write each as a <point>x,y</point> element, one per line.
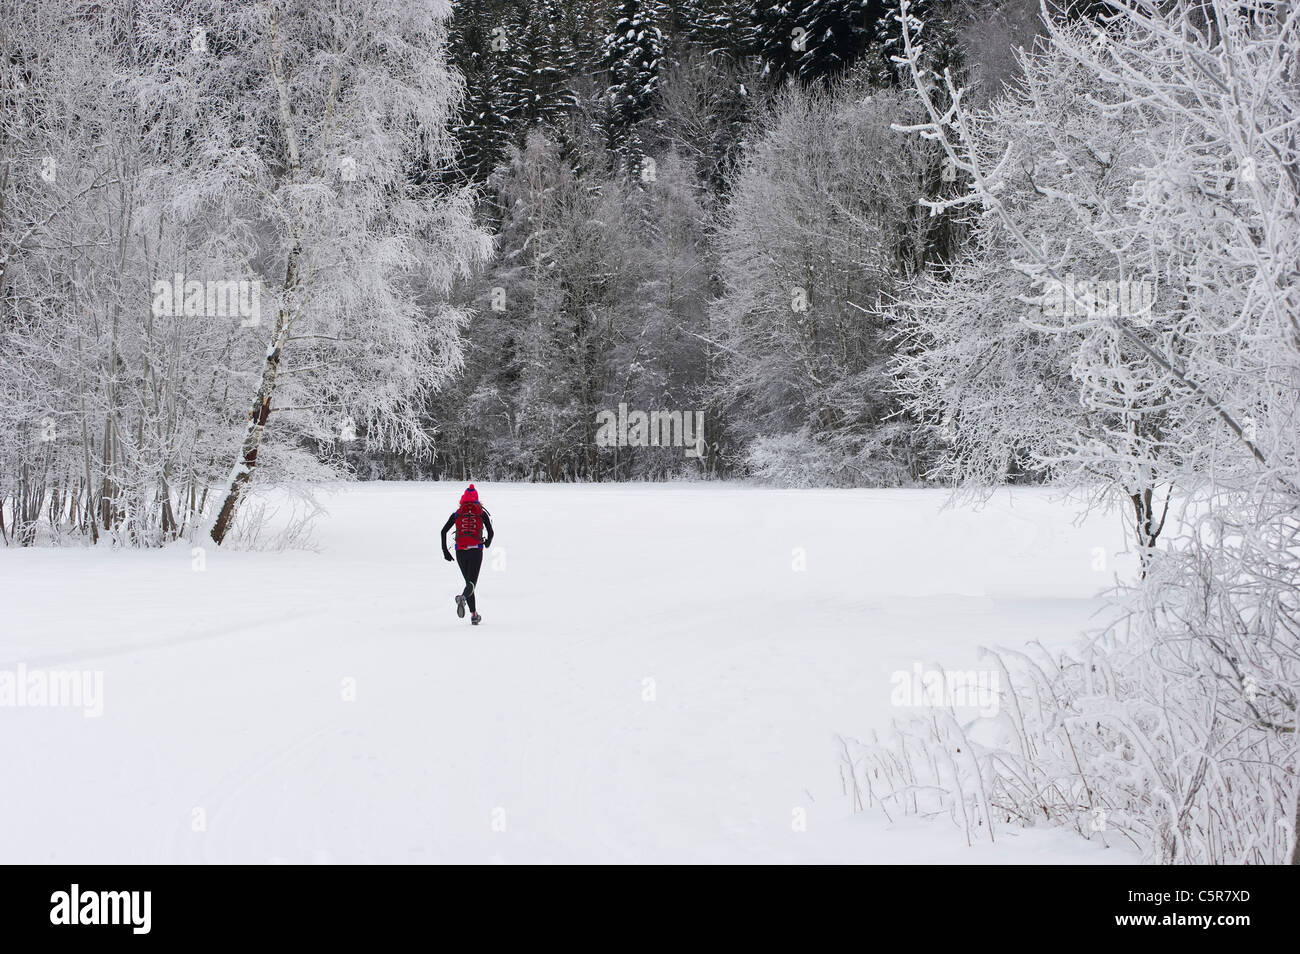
<point>446,556</point>
<point>487,543</point>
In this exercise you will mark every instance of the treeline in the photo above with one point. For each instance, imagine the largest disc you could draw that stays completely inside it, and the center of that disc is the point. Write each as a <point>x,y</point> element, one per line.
<point>245,239</point>
<point>698,206</point>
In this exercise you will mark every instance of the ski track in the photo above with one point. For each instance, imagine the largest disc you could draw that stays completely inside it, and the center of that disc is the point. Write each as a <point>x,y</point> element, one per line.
<point>223,689</point>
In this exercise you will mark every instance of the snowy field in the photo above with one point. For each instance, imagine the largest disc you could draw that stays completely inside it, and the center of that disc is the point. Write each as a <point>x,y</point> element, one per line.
<point>655,680</point>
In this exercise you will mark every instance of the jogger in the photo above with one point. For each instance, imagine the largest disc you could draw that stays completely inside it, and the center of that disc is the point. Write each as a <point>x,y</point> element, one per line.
<point>473,532</point>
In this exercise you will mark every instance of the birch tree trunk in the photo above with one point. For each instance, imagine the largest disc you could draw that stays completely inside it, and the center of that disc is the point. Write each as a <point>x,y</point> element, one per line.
<point>261,411</point>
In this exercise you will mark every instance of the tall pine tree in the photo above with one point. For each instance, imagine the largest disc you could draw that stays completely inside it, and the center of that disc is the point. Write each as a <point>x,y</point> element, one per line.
<point>478,47</point>
<point>541,63</point>
<point>634,52</point>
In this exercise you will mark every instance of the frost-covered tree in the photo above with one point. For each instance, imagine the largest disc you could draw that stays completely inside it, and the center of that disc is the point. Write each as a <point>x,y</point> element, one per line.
<point>88,442</point>
<point>302,123</point>
<point>547,315</point>
<point>817,232</point>
<point>658,361</point>
<point>999,390</point>
<point>706,105</point>
<point>989,33</point>
<point>598,296</point>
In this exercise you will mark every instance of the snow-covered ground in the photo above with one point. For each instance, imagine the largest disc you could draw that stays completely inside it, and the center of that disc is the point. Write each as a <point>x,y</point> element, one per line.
<point>656,678</point>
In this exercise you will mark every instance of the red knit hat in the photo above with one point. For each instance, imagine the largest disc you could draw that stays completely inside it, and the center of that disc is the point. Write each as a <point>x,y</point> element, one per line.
<point>469,495</point>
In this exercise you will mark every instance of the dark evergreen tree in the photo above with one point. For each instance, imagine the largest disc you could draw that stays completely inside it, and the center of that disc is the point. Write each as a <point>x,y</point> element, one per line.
<point>478,52</point>
<point>541,62</point>
<point>814,40</point>
<point>838,32</point>
<point>778,35</point>
<point>720,27</point>
<point>634,52</point>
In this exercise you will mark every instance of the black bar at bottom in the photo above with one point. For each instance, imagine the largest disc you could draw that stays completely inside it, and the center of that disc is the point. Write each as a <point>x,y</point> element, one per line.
<point>336,905</point>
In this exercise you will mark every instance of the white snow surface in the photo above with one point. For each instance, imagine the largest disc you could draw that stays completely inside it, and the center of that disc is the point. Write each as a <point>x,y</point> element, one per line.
<point>226,734</point>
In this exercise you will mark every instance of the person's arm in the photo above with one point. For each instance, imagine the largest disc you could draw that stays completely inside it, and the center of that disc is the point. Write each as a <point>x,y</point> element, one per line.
<point>442,537</point>
<point>487,525</point>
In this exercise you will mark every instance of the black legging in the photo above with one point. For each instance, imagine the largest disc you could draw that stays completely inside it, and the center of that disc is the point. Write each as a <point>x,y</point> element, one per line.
<point>470,560</point>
